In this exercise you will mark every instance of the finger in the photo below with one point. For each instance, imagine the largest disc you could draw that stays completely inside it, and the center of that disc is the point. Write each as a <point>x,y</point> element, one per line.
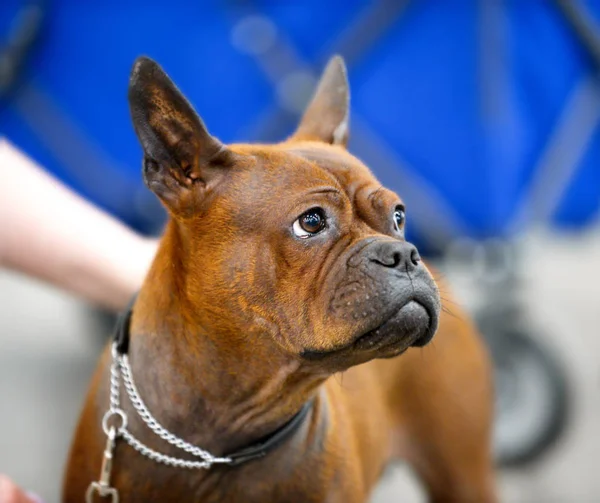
<point>10,493</point>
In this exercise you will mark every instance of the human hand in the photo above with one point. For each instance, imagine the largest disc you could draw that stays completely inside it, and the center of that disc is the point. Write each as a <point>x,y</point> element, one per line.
<point>10,493</point>
<point>51,233</point>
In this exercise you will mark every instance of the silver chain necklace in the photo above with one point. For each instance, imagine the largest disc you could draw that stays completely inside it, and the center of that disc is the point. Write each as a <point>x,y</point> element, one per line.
<point>120,368</point>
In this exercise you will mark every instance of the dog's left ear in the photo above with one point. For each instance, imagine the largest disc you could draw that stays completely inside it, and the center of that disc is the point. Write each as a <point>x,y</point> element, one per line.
<point>182,160</point>
<point>328,115</point>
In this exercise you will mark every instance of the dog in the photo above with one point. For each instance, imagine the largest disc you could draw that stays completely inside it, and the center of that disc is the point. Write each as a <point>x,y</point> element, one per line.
<point>271,324</point>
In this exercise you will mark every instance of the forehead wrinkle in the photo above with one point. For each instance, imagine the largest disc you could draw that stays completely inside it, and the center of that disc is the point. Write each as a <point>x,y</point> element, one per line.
<point>295,164</point>
<point>335,165</point>
<point>370,200</point>
<point>275,160</point>
<point>383,194</point>
<point>262,168</point>
<point>343,166</point>
<point>339,162</point>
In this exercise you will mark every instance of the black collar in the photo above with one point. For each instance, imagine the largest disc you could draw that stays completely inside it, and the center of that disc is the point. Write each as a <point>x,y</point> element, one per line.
<point>257,450</point>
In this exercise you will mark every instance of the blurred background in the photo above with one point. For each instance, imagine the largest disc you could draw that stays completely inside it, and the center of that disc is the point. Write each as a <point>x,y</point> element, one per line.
<point>484,115</point>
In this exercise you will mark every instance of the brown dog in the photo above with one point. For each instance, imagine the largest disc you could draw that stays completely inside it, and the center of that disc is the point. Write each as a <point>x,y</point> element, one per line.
<point>281,266</point>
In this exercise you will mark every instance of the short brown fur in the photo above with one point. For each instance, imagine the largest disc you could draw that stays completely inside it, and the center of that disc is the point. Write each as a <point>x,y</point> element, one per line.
<point>232,301</point>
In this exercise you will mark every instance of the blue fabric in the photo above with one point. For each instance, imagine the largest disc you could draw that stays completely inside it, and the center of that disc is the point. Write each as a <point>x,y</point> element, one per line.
<point>417,87</point>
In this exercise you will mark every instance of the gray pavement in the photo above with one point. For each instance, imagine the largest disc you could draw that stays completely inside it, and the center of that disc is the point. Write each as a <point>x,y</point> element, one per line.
<point>48,351</point>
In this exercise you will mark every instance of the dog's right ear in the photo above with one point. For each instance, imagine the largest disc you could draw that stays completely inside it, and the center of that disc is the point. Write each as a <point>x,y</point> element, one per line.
<point>182,161</point>
<point>327,116</point>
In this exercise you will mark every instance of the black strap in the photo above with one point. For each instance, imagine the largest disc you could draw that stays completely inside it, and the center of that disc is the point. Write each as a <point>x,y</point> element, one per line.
<point>258,449</point>
<point>121,336</point>
<point>262,448</point>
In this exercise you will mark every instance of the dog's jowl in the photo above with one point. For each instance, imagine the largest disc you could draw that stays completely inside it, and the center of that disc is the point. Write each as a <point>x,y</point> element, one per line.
<point>281,266</point>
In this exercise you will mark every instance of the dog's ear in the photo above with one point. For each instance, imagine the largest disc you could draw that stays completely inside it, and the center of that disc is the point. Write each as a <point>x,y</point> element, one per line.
<point>328,115</point>
<point>181,159</point>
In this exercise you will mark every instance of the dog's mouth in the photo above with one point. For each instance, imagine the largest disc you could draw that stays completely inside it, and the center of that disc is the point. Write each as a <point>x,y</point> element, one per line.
<point>414,324</point>
<point>409,326</point>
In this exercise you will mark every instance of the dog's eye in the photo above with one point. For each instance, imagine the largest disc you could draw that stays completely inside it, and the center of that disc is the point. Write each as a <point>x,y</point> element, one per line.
<point>399,217</point>
<point>310,223</point>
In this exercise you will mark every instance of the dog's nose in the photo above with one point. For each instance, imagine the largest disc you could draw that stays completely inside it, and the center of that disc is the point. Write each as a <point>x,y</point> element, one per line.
<point>395,254</point>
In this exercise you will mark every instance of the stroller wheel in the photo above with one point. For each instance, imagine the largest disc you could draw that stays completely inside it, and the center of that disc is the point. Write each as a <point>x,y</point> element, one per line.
<point>532,405</point>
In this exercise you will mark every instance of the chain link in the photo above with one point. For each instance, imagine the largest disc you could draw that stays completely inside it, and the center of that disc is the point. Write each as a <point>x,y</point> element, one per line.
<point>114,380</point>
<point>144,450</point>
<point>154,425</point>
<point>120,367</point>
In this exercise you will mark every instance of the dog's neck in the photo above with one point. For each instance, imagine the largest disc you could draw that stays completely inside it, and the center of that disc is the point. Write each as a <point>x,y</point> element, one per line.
<point>206,388</point>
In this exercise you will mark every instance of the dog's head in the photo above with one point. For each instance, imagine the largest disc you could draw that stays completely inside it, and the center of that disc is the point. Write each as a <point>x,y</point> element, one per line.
<point>296,244</point>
